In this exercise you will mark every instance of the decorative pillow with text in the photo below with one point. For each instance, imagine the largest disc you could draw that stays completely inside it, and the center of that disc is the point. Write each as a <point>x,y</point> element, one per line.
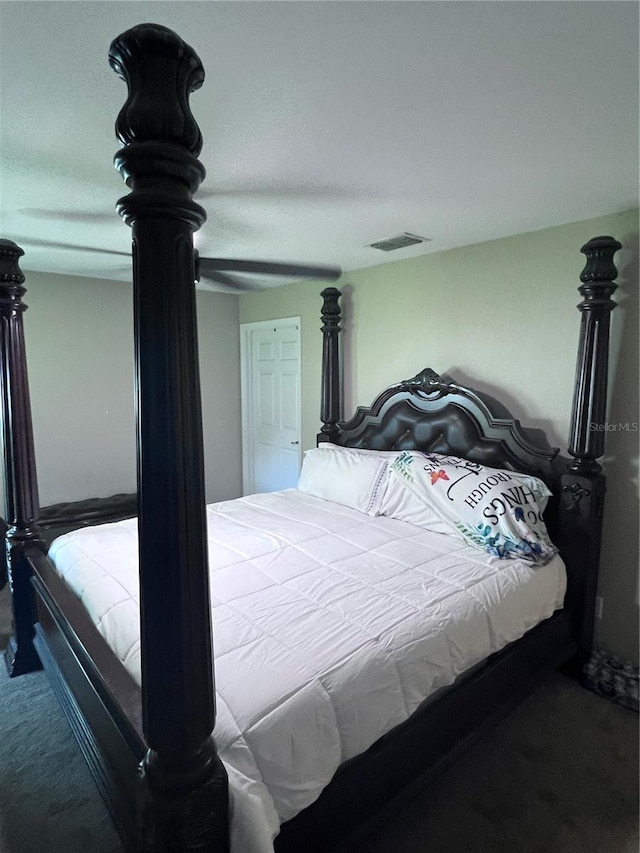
<point>494,510</point>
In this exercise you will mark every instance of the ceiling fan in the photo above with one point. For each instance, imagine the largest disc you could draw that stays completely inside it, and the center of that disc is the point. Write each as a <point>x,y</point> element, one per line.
<point>220,271</point>
<point>230,274</point>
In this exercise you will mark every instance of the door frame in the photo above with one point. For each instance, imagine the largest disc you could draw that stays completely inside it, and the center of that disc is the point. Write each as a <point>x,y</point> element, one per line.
<point>245,396</point>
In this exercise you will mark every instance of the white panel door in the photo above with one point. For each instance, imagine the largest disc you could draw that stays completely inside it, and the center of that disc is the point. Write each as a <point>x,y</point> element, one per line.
<point>271,403</point>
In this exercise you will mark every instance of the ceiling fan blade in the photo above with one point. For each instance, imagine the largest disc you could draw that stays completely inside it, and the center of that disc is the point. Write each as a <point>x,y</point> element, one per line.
<point>278,191</point>
<point>82,216</point>
<point>67,247</point>
<point>209,266</point>
<point>233,282</point>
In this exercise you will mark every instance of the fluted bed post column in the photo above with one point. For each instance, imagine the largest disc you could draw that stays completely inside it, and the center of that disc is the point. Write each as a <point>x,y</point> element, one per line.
<point>21,485</point>
<point>583,486</point>
<point>331,391</point>
<point>586,441</point>
<point>184,783</point>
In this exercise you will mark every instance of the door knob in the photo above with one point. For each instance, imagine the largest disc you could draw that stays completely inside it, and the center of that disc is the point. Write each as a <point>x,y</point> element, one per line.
<point>295,442</point>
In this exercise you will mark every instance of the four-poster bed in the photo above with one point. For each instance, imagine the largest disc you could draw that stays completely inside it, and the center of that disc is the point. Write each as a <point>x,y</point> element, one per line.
<point>150,745</point>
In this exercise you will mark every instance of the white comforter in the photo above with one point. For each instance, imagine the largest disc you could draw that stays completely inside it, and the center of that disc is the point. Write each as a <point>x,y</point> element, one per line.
<point>330,627</point>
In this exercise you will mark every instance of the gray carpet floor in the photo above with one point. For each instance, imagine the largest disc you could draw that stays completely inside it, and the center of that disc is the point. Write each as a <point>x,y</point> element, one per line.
<point>560,775</point>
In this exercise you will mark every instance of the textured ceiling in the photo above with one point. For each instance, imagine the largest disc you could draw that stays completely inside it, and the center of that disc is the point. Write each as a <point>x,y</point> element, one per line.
<point>328,126</point>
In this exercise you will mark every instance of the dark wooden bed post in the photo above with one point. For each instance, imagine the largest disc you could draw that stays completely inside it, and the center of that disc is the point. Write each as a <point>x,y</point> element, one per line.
<point>331,395</point>
<point>21,485</point>
<point>583,486</point>
<point>185,800</point>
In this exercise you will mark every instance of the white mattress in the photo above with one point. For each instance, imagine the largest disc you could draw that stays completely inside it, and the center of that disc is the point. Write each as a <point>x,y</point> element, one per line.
<point>330,627</point>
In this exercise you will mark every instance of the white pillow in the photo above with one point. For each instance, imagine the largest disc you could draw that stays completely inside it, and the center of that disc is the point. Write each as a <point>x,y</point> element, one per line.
<point>359,451</point>
<point>395,500</point>
<point>351,478</point>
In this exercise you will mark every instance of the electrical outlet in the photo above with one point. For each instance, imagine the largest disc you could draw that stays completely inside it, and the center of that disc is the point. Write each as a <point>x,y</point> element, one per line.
<point>599,603</point>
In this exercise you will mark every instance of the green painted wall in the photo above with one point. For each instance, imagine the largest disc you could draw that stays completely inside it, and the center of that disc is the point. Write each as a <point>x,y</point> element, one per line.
<point>500,316</point>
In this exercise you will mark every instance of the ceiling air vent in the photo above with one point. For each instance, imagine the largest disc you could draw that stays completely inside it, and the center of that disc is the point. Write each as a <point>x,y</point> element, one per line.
<point>399,242</point>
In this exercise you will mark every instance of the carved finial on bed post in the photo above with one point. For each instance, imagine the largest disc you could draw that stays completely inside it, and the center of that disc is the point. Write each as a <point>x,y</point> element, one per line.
<point>21,486</point>
<point>583,484</point>
<point>185,800</point>
<point>331,390</point>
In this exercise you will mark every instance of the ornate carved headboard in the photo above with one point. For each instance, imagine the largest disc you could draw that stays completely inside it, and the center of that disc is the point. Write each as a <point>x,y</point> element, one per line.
<point>433,413</point>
